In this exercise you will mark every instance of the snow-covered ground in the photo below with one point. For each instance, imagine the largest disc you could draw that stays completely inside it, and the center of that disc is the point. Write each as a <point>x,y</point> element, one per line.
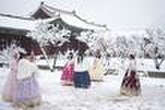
<point>101,96</point>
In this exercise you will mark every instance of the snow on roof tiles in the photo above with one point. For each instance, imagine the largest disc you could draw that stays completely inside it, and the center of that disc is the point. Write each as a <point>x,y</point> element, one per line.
<point>74,21</point>
<point>16,23</point>
<point>71,18</point>
<point>20,23</point>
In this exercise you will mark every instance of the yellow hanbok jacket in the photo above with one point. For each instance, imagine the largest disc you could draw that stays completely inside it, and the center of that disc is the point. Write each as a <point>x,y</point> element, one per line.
<point>97,70</point>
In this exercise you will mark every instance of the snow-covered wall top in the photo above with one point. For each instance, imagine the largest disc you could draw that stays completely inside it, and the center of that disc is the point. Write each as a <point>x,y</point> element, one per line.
<point>16,23</point>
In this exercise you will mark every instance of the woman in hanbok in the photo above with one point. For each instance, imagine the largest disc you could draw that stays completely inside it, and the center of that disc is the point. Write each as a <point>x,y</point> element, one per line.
<point>131,84</point>
<point>68,72</point>
<point>81,77</point>
<point>9,91</point>
<point>27,92</point>
<point>97,69</point>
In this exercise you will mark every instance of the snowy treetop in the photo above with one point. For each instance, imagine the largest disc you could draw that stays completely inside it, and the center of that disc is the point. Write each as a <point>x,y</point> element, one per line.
<point>45,33</point>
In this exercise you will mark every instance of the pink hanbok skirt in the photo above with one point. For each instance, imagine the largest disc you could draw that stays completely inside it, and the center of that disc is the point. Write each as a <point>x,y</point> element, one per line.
<point>67,75</point>
<point>9,91</point>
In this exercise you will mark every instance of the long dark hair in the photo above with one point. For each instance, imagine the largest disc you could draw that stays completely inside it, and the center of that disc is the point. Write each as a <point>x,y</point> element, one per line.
<point>80,58</point>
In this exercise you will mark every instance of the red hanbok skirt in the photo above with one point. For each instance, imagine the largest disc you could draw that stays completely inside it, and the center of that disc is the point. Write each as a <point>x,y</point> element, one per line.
<point>131,84</point>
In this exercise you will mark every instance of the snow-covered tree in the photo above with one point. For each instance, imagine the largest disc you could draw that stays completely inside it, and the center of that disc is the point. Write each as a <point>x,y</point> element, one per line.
<point>154,45</point>
<point>151,43</point>
<point>95,41</point>
<point>7,53</point>
<point>45,34</point>
<point>120,47</point>
<point>89,37</point>
<point>97,45</point>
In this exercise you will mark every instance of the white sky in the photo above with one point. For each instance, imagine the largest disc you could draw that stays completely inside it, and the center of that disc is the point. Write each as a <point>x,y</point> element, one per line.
<point>115,13</point>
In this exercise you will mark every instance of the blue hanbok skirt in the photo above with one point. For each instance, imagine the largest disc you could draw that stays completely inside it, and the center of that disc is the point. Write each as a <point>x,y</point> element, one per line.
<point>82,79</point>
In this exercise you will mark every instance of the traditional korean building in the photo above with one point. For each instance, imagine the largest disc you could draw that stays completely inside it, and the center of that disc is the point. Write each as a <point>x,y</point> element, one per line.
<point>15,28</point>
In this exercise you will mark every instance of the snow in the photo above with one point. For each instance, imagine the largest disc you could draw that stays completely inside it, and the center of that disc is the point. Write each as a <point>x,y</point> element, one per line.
<point>60,63</point>
<point>69,18</point>
<point>101,96</point>
<point>74,21</point>
<point>16,23</point>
